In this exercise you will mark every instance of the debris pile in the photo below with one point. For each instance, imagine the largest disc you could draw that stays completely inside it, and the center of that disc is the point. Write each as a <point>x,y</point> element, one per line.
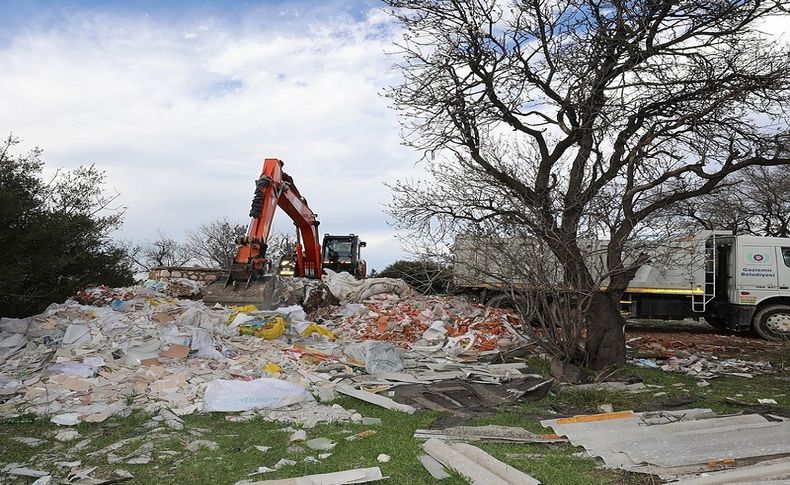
<point>438,324</point>
<point>108,351</point>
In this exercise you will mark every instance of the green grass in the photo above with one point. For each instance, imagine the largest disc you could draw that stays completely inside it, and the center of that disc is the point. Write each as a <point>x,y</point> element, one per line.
<point>236,456</point>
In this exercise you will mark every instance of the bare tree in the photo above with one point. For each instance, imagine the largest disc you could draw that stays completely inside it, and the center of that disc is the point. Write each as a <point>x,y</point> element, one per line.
<point>756,202</point>
<point>164,251</point>
<point>280,244</point>
<point>576,118</point>
<point>213,244</point>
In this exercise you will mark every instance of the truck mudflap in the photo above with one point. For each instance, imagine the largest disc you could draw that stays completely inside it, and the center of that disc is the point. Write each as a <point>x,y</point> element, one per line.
<point>738,318</point>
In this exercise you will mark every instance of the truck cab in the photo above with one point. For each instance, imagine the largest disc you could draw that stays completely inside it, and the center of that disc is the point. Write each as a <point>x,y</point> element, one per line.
<point>748,285</point>
<point>343,253</point>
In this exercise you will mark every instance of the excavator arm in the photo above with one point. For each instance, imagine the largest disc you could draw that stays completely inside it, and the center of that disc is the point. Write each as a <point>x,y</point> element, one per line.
<point>273,189</point>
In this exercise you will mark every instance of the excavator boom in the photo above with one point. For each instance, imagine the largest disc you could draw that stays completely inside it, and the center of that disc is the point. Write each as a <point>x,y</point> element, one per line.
<point>247,280</point>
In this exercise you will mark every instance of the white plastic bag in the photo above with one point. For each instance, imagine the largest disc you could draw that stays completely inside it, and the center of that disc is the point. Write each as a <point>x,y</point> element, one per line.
<point>347,288</point>
<point>263,393</point>
<point>203,342</point>
<point>378,356</point>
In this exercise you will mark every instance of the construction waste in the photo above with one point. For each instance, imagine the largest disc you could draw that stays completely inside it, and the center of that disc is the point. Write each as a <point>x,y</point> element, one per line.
<point>108,351</point>
<point>694,446</point>
<point>698,359</point>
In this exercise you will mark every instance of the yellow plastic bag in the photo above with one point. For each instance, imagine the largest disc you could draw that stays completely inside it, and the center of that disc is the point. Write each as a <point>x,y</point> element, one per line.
<point>272,329</point>
<point>241,309</point>
<point>315,328</point>
<point>272,368</point>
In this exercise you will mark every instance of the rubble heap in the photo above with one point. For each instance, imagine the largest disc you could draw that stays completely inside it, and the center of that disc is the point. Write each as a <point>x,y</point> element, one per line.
<point>429,324</point>
<point>108,351</point>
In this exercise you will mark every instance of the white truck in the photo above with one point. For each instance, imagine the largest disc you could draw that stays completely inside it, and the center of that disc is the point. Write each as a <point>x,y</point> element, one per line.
<point>733,282</point>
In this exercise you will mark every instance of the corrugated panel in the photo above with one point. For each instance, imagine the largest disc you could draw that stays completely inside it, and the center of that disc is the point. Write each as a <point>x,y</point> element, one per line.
<point>694,438</point>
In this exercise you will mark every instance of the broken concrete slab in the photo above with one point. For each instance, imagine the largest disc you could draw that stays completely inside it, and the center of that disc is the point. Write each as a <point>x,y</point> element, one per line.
<point>608,386</point>
<point>33,442</point>
<point>67,435</point>
<point>198,444</point>
<point>320,444</point>
<point>23,471</point>
<point>476,465</point>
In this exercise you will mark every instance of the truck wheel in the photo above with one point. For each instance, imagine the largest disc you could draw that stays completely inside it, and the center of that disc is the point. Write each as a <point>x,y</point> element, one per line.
<point>773,323</point>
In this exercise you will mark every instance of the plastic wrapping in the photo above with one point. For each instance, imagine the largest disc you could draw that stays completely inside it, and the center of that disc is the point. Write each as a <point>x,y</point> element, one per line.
<point>378,357</point>
<point>263,393</point>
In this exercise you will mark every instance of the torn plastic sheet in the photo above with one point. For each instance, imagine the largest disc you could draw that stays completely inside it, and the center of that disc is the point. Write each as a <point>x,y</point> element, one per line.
<point>378,356</point>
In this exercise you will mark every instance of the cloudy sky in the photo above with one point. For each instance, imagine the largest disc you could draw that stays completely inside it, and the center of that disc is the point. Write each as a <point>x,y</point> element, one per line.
<point>180,101</point>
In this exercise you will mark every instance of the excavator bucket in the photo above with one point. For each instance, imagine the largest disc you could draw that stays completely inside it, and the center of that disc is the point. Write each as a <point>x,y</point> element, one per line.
<point>270,292</point>
<point>261,292</point>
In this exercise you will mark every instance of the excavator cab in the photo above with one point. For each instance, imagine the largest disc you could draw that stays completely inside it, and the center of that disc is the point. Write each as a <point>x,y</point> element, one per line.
<point>343,253</point>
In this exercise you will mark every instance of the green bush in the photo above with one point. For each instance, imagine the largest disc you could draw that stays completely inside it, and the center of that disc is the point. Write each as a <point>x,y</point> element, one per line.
<point>425,276</point>
<point>54,233</point>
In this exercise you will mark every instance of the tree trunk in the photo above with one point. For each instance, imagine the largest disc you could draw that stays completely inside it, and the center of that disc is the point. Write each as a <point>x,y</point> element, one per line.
<point>605,344</point>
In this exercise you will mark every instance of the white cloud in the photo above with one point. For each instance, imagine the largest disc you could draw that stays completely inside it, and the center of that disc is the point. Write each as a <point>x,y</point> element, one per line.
<point>180,116</point>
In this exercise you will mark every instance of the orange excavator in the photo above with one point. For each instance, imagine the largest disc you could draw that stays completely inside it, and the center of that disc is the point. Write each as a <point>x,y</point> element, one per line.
<point>251,269</point>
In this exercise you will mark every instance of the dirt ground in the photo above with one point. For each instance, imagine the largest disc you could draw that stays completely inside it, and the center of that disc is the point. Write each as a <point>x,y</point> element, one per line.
<point>656,338</point>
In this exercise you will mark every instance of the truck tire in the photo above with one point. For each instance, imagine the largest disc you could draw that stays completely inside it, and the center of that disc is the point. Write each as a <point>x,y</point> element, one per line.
<point>773,323</point>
